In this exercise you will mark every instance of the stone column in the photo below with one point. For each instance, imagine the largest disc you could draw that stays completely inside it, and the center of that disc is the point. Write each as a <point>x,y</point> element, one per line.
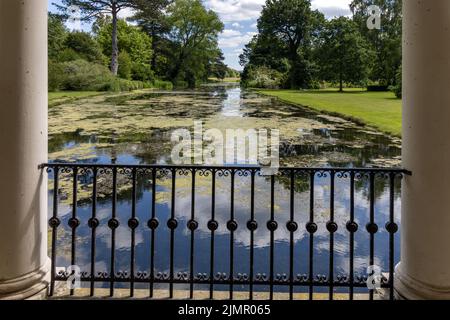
<point>24,263</point>
<point>424,271</point>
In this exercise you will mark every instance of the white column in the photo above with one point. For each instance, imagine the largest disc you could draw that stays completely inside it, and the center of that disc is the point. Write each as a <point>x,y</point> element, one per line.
<point>424,271</point>
<point>23,146</point>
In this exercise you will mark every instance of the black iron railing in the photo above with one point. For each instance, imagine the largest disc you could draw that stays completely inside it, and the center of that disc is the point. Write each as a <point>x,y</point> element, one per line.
<point>74,176</point>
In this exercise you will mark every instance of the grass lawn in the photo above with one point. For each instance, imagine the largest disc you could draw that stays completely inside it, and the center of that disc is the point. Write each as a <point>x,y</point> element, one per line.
<point>381,110</point>
<point>70,94</point>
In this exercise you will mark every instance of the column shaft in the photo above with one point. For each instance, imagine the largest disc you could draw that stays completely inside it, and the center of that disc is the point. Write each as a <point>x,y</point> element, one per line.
<point>424,271</point>
<point>23,145</point>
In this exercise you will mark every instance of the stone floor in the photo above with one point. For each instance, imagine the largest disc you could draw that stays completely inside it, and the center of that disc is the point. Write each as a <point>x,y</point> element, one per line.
<point>61,292</point>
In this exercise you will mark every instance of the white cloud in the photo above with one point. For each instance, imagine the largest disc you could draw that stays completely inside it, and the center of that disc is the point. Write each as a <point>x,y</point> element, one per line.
<point>236,41</point>
<point>333,8</point>
<point>126,13</point>
<point>236,25</point>
<point>235,11</point>
<point>230,33</point>
<point>244,10</point>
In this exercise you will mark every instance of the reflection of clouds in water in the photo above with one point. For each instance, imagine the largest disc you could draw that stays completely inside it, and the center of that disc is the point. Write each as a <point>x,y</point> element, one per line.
<point>103,213</point>
<point>360,264</point>
<point>123,236</point>
<point>282,209</point>
<point>341,246</point>
<point>100,266</point>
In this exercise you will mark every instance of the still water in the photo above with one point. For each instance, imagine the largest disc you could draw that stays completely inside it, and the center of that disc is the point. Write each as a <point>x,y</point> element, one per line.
<point>135,129</point>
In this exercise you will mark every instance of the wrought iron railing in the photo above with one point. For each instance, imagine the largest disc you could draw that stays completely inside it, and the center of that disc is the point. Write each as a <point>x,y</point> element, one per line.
<point>85,179</point>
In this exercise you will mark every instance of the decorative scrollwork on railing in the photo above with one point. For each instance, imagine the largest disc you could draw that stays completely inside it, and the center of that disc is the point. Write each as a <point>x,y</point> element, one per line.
<point>281,278</point>
<point>205,172</point>
<point>241,277</point>
<point>142,275</point>
<point>182,276</point>
<point>321,278</point>
<point>301,278</point>
<point>223,173</point>
<point>342,278</point>
<point>121,274</point>
<point>102,275</point>
<point>261,277</point>
<point>201,277</point>
<point>162,276</point>
<point>184,172</point>
<point>243,172</point>
<point>221,276</point>
<point>342,174</point>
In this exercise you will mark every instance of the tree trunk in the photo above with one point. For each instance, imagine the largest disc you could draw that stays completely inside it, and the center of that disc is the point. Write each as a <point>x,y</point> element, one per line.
<point>115,46</point>
<point>176,70</point>
<point>154,48</point>
<point>341,84</point>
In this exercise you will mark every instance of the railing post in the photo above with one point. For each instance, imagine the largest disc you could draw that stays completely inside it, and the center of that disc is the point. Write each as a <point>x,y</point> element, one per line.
<point>424,271</point>
<point>24,264</point>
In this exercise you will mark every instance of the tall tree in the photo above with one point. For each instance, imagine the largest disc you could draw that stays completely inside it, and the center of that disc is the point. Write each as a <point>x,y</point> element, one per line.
<point>151,17</point>
<point>217,67</point>
<point>132,40</point>
<point>343,55</point>
<point>92,9</point>
<point>194,32</point>
<point>57,34</point>
<point>290,22</point>
<point>386,42</point>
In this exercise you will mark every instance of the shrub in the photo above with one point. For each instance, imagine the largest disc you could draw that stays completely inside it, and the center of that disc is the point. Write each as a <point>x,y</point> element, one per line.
<point>81,75</point>
<point>68,54</point>
<point>141,72</point>
<point>164,85</point>
<point>119,85</point>
<point>263,77</point>
<point>85,46</point>
<point>55,76</point>
<point>124,65</point>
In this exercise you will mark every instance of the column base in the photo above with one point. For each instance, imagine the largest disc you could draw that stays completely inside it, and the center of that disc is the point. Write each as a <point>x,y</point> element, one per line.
<point>32,285</point>
<point>408,288</point>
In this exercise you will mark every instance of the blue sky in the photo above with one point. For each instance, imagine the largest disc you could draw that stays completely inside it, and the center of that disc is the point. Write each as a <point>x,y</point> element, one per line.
<point>239,17</point>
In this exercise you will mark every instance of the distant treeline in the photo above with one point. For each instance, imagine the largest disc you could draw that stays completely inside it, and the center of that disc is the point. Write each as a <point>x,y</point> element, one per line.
<point>164,42</point>
<point>298,48</point>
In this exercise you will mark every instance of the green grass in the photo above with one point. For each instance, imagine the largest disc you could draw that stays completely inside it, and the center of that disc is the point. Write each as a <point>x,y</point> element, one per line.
<point>376,109</point>
<point>70,94</point>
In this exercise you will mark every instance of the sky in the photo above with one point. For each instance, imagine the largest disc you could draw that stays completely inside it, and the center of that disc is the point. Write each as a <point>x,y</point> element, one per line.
<point>239,18</point>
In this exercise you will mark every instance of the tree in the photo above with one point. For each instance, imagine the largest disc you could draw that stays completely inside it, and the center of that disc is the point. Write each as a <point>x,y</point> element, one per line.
<point>344,55</point>
<point>194,32</point>
<point>57,34</point>
<point>151,17</point>
<point>217,68</point>
<point>124,65</point>
<point>91,9</point>
<point>130,39</point>
<point>84,46</point>
<point>291,23</point>
<point>386,42</point>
